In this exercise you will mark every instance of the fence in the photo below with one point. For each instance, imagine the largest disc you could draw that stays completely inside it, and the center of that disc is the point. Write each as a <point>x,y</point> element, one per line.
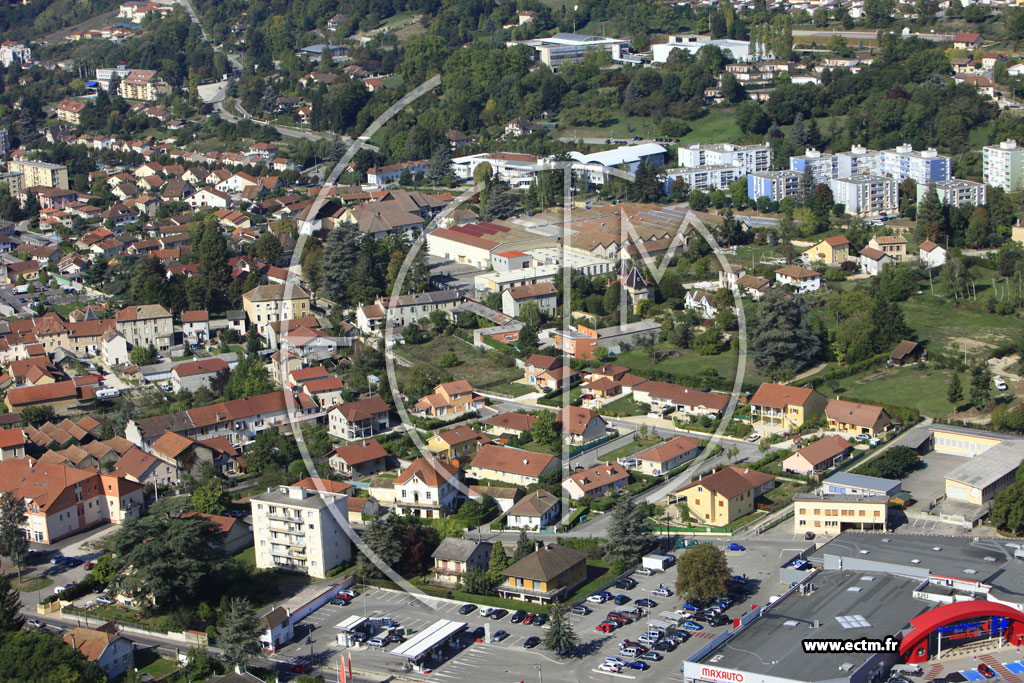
<point>593,444</point>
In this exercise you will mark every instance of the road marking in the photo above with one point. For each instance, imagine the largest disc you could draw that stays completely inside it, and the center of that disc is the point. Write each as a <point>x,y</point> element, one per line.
<point>609,673</point>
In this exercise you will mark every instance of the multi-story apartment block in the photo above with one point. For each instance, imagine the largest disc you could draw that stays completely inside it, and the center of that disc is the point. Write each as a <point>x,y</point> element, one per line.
<point>704,178</point>
<point>903,162</point>
<point>870,195</point>
<point>750,158</point>
<point>957,192</point>
<point>823,166</point>
<point>1003,165</point>
<point>5,143</point>
<point>14,53</point>
<point>776,185</point>
<point>142,84</point>
<point>273,303</point>
<point>297,529</point>
<point>40,173</point>
<point>145,325</point>
<point>858,161</point>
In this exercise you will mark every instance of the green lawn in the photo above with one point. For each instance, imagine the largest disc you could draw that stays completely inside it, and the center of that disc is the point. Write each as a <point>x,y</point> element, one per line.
<point>718,126</point>
<point>623,407</point>
<point>148,661</point>
<point>538,448</point>
<point>510,389</point>
<point>629,449</point>
<point>685,363</point>
<point>479,368</point>
<point>911,387</point>
<point>247,556</point>
<point>944,328</point>
<point>30,585</point>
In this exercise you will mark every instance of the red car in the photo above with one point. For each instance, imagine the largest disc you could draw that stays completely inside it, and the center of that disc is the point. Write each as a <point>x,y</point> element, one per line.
<point>986,671</point>
<point>89,565</point>
<point>301,668</point>
<point>529,618</point>
<point>606,627</point>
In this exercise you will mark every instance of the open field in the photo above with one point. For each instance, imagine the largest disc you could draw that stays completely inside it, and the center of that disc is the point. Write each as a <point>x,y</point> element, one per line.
<point>945,328</point>
<point>688,363</point>
<point>474,365</point>
<point>923,388</point>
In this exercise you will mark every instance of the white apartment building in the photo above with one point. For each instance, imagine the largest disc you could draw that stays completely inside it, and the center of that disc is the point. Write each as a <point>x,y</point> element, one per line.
<point>903,162</point>
<point>297,529</point>
<point>957,192</point>
<point>1003,165</point>
<point>857,161</point>
<point>750,158</point>
<point>823,166</point>
<point>704,178</point>
<point>570,48</point>
<point>867,195</point>
<point>518,170</point>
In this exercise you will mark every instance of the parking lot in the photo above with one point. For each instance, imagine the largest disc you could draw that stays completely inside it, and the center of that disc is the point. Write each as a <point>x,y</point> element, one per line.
<point>316,636</point>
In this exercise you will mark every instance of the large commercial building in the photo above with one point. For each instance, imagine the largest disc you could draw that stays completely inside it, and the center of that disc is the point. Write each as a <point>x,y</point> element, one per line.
<point>740,49</point>
<point>40,173</point>
<point>1003,165</point>
<point>298,529</point>
<point>596,167</point>
<point>570,48</point>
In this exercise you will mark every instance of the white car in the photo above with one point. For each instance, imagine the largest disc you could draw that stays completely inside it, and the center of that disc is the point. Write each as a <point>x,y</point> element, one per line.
<point>683,614</point>
<point>753,437</point>
<point>104,600</point>
<point>599,599</point>
<point>486,611</point>
<point>617,661</point>
<point>608,666</point>
<point>999,382</point>
<point>662,592</point>
<point>644,571</point>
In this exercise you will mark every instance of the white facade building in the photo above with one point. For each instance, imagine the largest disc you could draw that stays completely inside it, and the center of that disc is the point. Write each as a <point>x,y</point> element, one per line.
<point>1003,165</point>
<point>750,158</point>
<point>867,195</point>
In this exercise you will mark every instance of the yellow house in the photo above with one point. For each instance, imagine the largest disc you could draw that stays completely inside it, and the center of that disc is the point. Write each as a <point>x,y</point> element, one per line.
<point>891,245</point>
<point>851,419</point>
<point>544,576</point>
<point>267,304</point>
<point>455,443</point>
<point>785,407</point>
<point>836,513</point>
<point>831,250</point>
<point>725,495</point>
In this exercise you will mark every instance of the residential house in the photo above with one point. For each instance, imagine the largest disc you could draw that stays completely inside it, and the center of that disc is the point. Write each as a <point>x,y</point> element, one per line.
<point>359,419</point>
<point>544,294</point>
<point>853,419</point>
<point>831,251</point>
<point>104,646</point>
<point>70,111</point>
<point>359,459</point>
<point>893,246</point>
<point>931,254</point>
<point>12,443</point>
<point>234,535</point>
<point>548,372</point>
<point>785,407</point>
<point>139,466</point>
<point>871,261</point>
<point>726,495</point>
<point>594,482</point>
<point>535,511</point>
<point>700,300</point>
<point>327,392</point>
<point>818,456</point>
<point>967,41</point>
<point>511,465</point>
<point>151,324</point>
<point>510,424</point>
<point>547,575</point>
<point>427,488</point>
<point>634,287</point>
<point>456,556</point>
<point>266,304</point>
<point>276,629</point>
<point>665,457</point>
<point>450,399</point>
<point>195,326</point>
<point>580,425</point>
<point>460,443</point>
<point>803,279</point>
<point>192,375</point>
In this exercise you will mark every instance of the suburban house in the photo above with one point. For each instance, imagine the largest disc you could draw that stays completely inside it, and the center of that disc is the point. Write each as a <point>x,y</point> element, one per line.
<point>195,374</point>
<point>819,456</point>
<point>12,443</point>
<point>360,459</point>
<point>511,465</point>
<point>450,399</point>
<point>931,254</point>
<point>580,425</point>
<point>905,353</point>
<point>544,294</point>
<point>726,495</point>
<point>145,325</point>
<point>276,629</point>
<point>785,407</point>
<point>359,419</point>
<point>700,300</point>
<point>455,556</point>
<point>853,419</point>
<point>667,396</point>
<point>504,496</point>
<point>535,511</point>
<point>510,424</point>
<point>803,279</point>
<point>549,574</point>
<point>267,304</point>
<point>426,489</point>
<point>596,481</point>
<point>548,372</point>
<point>105,646</point>
<point>664,457</point>
<point>893,246</point>
<point>455,443</point>
<point>871,260</point>
<point>831,251</point>
<point>195,326</point>
<point>235,535</point>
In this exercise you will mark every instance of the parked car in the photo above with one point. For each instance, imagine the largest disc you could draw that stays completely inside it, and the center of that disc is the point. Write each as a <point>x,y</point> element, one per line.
<point>34,623</point>
<point>349,593</point>
<point>620,599</point>
<point>625,583</point>
<point>651,656</point>
<point>638,665</point>
<point>531,642</point>
<point>338,600</point>
<point>609,667</point>
<point>467,608</point>
<point>60,589</point>
<point>662,592</point>
<point>645,602</point>
<point>617,661</point>
<point>476,633</point>
<point>486,611</point>
<point>986,671</point>
<point>581,610</point>
<point>104,600</point>
<point>499,635</point>
<point>530,616</point>
<point>517,616</point>
<point>999,382</point>
<point>644,571</point>
<point>606,627</point>
<point>734,546</point>
<point>540,619</point>
<point>379,641</point>
<point>666,645</point>
<point>596,598</point>
<point>303,667</point>
<point>57,559</point>
<point>753,437</point>
<point>692,605</point>
<point>498,614</point>
<point>692,626</point>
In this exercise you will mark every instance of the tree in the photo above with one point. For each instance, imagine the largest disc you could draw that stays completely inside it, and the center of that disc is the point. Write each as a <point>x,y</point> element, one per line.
<point>524,547</point>
<point>782,339</point>
<point>340,254</point>
<point>143,355</point>
<point>981,386</point>
<point>499,561</point>
<point>1008,508</point>
<point>544,430</point>
<point>239,637</point>
<point>895,463</point>
<point>648,185</point>
<point>501,203</point>
<point>478,582</point>
<point>11,619</point>
<point>13,541</point>
<point>955,391</point>
<point>210,498</point>
<point>268,248</point>
<point>560,637</point>
<point>380,537</point>
<point>214,271</point>
<point>483,173</point>
<point>37,415</point>
<point>43,656</point>
<point>629,535</point>
<point>703,572</point>
<point>440,168</point>
<point>929,213</point>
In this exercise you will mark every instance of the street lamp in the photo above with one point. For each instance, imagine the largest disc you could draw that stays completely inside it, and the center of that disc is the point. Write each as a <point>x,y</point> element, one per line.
<point>540,673</point>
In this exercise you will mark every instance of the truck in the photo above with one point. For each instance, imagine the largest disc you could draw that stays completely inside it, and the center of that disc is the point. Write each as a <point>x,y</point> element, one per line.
<point>657,562</point>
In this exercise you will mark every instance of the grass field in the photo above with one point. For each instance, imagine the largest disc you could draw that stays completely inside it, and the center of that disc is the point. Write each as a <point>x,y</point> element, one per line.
<point>479,368</point>
<point>623,407</point>
<point>687,363</point>
<point>147,661</point>
<point>911,387</point>
<point>629,449</point>
<point>945,328</point>
<point>30,585</point>
<point>511,389</point>
<point>718,126</point>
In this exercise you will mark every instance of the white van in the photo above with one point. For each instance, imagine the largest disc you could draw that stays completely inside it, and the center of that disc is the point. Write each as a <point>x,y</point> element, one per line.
<point>631,651</point>
<point>908,670</point>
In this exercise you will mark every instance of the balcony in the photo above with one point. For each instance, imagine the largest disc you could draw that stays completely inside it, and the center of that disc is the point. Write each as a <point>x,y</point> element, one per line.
<point>285,515</point>
<point>293,541</point>
<point>276,525</point>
